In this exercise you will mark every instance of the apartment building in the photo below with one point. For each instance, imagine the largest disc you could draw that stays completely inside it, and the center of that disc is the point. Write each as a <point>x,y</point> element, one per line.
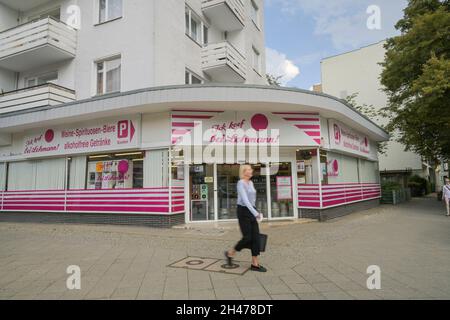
<point>102,100</point>
<point>358,72</point>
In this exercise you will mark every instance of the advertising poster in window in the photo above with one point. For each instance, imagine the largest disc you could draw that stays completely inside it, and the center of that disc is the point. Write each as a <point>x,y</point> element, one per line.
<point>284,188</point>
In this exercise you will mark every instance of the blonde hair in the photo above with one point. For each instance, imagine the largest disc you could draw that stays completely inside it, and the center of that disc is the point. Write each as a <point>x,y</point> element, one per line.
<point>242,170</point>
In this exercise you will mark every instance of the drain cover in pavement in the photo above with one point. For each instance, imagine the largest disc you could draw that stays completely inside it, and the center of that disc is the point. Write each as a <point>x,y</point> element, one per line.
<point>238,268</point>
<point>211,265</point>
<point>193,263</point>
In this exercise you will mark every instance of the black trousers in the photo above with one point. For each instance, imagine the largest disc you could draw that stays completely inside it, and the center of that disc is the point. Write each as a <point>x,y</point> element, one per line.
<point>250,231</point>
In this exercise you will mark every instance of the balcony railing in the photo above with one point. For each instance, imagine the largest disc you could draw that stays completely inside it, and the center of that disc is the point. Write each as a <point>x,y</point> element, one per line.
<point>48,94</point>
<point>37,43</point>
<point>223,63</point>
<point>227,15</point>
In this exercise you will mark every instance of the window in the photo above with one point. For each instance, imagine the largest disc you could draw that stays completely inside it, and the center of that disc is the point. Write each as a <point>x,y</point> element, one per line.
<point>116,171</point>
<point>109,10</point>
<point>256,63</point>
<point>255,13</point>
<point>50,77</point>
<point>191,78</point>
<point>53,13</point>
<point>195,28</point>
<point>108,75</point>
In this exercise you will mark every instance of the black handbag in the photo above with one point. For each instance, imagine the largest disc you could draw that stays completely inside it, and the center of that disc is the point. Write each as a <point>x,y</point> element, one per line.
<point>263,242</point>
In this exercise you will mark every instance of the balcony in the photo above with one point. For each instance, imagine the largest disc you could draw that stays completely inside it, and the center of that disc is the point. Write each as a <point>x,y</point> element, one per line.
<point>36,43</point>
<point>48,94</point>
<point>223,63</point>
<point>226,15</point>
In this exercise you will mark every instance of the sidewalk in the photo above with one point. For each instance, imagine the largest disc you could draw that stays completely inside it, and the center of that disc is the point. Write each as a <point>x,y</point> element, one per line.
<point>410,243</point>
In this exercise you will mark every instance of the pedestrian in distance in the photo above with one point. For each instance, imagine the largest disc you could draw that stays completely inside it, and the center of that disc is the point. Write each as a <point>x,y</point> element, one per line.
<point>446,195</point>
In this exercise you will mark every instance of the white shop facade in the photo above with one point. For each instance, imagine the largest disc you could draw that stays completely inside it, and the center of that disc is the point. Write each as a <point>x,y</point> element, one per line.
<point>170,155</point>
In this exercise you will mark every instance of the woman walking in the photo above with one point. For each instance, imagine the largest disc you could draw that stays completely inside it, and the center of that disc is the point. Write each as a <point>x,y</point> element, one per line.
<point>248,218</point>
<point>446,195</point>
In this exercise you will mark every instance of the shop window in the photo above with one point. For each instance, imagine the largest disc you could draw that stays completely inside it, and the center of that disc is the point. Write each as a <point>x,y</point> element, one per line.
<point>46,174</point>
<point>2,176</point>
<point>156,172</point>
<point>116,171</point>
<point>307,167</point>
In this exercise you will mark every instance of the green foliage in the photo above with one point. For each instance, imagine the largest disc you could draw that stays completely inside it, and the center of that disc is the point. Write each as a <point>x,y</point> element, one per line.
<point>274,80</point>
<point>416,77</point>
<point>391,186</point>
<point>419,186</point>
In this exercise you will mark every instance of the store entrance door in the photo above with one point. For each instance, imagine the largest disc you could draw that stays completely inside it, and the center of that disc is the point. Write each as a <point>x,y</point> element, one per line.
<point>213,194</point>
<point>201,186</point>
<point>227,179</point>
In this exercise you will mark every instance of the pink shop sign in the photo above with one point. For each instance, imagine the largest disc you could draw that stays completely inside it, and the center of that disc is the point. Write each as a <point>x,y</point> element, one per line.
<point>98,136</point>
<point>346,139</point>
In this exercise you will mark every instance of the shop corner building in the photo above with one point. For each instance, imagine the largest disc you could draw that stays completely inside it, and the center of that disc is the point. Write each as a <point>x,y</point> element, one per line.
<point>102,103</point>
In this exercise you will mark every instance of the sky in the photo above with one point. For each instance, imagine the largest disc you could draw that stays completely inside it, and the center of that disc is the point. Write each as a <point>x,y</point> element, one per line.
<point>300,33</point>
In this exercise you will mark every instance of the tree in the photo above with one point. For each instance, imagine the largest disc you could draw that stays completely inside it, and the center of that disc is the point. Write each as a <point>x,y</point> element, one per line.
<point>274,80</point>
<point>416,77</point>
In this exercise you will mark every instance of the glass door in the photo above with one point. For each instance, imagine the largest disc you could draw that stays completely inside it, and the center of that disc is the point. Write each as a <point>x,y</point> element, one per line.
<point>227,179</point>
<point>201,182</point>
<point>281,190</point>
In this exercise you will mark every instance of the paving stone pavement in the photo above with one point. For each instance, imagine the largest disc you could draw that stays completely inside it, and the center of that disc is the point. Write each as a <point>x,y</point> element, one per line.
<point>410,243</point>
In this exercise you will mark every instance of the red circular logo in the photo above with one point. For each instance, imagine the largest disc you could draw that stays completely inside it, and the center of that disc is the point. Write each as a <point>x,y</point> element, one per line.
<point>337,134</point>
<point>49,135</point>
<point>260,122</point>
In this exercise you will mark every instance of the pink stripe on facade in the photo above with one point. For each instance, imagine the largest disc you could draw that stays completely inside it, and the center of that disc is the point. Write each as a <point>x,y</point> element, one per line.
<point>149,200</point>
<point>338,194</point>
<point>183,124</point>
<point>118,209</point>
<point>191,117</point>
<point>306,126</point>
<point>303,119</point>
<point>313,133</point>
<point>199,111</point>
<point>297,113</point>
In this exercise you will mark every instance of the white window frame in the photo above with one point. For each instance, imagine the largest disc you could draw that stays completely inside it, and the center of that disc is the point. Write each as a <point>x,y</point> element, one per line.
<point>103,60</point>
<point>255,9</point>
<point>256,54</point>
<point>201,25</point>
<point>192,74</point>
<point>37,76</point>
<point>107,19</point>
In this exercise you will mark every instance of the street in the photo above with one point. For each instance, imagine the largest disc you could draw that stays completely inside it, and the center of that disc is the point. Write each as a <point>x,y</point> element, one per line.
<point>410,243</point>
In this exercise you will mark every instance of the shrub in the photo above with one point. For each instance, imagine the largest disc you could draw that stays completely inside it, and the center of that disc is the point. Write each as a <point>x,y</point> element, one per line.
<point>419,186</point>
<point>390,186</point>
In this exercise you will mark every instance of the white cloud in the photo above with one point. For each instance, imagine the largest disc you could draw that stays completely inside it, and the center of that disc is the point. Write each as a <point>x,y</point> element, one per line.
<point>345,21</point>
<point>277,64</point>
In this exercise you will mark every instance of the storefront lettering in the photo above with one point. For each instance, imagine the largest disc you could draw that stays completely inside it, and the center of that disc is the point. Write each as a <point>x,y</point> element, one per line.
<point>83,138</point>
<point>231,125</point>
<point>347,139</point>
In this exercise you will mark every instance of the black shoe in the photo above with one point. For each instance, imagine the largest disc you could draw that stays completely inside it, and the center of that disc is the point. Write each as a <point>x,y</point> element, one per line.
<point>229,259</point>
<point>258,269</point>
